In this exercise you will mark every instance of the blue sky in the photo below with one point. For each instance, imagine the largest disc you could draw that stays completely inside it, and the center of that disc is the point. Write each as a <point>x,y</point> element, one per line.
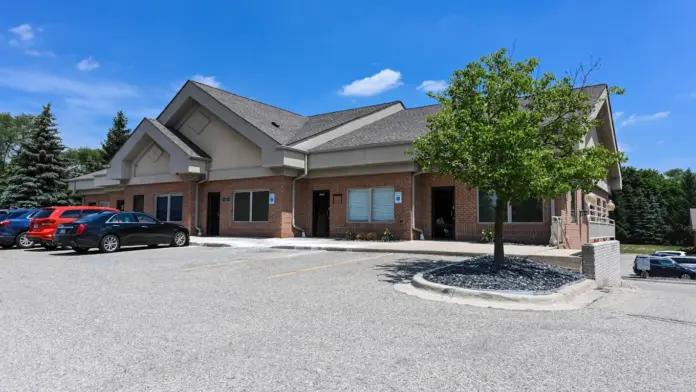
<point>309,57</point>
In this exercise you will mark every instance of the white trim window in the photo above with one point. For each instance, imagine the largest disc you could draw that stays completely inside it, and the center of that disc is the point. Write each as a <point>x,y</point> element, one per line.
<point>250,206</point>
<point>103,204</point>
<point>169,207</point>
<point>528,211</point>
<point>373,205</point>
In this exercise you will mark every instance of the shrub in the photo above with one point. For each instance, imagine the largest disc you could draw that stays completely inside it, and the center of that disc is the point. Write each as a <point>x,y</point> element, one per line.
<point>360,237</point>
<point>349,236</point>
<point>371,237</point>
<point>487,236</point>
<point>388,236</point>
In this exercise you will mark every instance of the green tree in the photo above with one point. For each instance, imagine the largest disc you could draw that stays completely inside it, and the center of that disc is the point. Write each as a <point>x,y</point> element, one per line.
<point>506,129</point>
<point>116,137</point>
<point>12,130</point>
<point>83,160</point>
<point>38,171</point>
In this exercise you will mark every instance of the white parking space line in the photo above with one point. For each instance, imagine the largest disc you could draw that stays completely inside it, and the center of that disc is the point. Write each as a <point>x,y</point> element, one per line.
<point>282,256</point>
<point>327,266</point>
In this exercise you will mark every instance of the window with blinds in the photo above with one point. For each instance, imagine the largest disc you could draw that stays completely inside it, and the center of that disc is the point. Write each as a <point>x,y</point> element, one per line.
<point>371,205</point>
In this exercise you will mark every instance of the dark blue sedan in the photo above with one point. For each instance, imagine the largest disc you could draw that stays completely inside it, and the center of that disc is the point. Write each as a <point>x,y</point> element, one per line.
<point>14,227</point>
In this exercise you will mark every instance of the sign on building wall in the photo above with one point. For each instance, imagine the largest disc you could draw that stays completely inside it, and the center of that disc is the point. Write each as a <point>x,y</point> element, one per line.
<point>397,197</point>
<point>227,199</point>
<point>271,198</point>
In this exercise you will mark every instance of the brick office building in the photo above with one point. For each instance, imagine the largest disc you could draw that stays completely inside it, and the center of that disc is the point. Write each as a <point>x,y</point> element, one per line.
<point>227,165</point>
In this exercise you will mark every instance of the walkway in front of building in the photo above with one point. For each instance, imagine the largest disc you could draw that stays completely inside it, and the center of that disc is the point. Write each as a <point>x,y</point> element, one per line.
<point>445,248</point>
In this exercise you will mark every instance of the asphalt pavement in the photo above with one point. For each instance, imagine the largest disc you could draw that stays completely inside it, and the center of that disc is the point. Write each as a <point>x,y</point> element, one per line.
<point>221,319</point>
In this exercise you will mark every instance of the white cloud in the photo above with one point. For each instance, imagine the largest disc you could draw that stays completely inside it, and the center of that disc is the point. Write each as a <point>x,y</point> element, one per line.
<point>382,81</point>
<point>23,31</point>
<point>209,80</point>
<point>624,147</point>
<point>88,64</point>
<point>639,118</point>
<point>31,81</point>
<point>432,85</point>
<point>39,53</point>
<point>618,115</point>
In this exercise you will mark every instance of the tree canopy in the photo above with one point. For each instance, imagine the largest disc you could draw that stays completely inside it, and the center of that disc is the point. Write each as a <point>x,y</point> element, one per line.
<point>505,128</point>
<point>116,137</point>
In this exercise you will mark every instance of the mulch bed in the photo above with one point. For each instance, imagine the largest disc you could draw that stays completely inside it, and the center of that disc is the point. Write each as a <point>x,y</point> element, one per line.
<point>517,274</point>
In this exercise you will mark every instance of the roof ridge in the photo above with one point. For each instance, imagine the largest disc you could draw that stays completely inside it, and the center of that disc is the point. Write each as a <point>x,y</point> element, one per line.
<point>359,107</point>
<point>247,98</point>
<point>424,106</point>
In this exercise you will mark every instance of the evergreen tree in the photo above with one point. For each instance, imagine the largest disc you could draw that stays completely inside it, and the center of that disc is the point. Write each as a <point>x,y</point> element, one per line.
<point>117,136</point>
<point>38,171</point>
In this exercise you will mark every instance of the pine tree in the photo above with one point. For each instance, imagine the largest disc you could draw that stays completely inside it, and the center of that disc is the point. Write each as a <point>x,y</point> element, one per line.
<point>117,136</point>
<point>38,171</point>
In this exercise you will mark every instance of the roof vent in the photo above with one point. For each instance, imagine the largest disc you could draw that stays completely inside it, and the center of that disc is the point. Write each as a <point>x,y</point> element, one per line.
<point>275,124</point>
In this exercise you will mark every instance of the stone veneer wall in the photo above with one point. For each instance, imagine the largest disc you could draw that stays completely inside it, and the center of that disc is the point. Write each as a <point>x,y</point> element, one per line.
<point>601,261</point>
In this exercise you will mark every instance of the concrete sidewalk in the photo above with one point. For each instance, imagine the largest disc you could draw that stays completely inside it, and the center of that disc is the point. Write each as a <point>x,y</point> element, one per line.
<point>569,258</point>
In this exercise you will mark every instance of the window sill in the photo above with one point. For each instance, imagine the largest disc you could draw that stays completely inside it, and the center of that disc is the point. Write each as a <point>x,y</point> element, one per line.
<point>372,222</point>
<point>249,221</point>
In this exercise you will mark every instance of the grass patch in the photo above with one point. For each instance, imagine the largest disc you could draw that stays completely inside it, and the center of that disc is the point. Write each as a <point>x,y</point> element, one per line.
<point>648,249</point>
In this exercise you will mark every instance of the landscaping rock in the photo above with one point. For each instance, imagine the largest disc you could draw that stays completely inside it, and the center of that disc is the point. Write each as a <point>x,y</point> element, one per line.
<point>517,274</point>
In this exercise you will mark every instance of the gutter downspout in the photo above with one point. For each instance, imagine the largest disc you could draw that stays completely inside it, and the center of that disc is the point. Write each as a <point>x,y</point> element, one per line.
<point>207,174</point>
<point>301,176</point>
<point>413,205</point>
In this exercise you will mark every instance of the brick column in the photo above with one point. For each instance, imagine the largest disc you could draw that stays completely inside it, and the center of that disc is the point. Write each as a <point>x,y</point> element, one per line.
<point>601,261</point>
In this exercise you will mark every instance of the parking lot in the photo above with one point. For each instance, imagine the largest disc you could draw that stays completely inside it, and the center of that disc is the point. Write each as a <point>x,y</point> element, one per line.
<point>220,319</point>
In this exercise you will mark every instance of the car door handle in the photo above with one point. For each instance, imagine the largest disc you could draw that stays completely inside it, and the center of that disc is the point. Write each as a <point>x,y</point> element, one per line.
<point>144,226</point>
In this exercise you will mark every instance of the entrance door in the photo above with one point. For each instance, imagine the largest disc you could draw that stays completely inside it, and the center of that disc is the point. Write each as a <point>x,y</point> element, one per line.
<point>213,224</point>
<point>139,203</point>
<point>443,213</point>
<point>320,213</point>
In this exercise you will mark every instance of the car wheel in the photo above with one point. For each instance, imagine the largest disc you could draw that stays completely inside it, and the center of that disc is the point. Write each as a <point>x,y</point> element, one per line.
<point>49,246</point>
<point>644,274</point>
<point>7,246</point>
<point>23,242</point>
<point>80,249</point>
<point>180,239</point>
<point>153,245</point>
<point>109,243</point>
<point>685,276</point>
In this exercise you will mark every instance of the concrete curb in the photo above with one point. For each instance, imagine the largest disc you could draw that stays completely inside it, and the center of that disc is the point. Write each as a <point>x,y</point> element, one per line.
<point>565,294</point>
<point>210,244</point>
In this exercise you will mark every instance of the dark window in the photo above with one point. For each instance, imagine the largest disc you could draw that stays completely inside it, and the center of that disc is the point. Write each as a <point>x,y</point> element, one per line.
<point>139,203</point>
<point>120,205</point>
<point>242,201</point>
<point>122,218</point>
<point>45,213</point>
<point>176,208</point>
<point>259,206</point>
<point>161,208</point>
<point>486,207</point>
<point>93,204</point>
<point>531,210</point>
<point>97,217</point>
<point>14,214</point>
<point>145,218</point>
<point>573,207</point>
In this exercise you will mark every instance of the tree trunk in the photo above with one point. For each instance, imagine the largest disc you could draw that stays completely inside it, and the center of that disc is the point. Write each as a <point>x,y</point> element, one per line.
<point>498,251</point>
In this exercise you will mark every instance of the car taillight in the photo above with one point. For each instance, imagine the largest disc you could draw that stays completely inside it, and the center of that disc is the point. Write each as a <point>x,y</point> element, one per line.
<point>4,223</point>
<point>81,228</point>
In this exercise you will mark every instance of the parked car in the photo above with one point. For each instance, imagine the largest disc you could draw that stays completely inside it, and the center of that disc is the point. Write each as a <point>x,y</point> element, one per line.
<point>685,261</point>
<point>44,222</point>
<point>14,227</point>
<point>662,266</point>
<point>108,231</point>
<point>3,213</point>
<point>669,253</point>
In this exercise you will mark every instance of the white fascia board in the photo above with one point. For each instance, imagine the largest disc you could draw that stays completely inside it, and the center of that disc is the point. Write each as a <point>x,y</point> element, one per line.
<point>363,156</point>
<point>344,129</point>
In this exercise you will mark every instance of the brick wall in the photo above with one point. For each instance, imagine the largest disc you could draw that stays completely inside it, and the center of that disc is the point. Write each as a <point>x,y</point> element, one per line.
<point>338,224</point>
<point>279,214</point>
<point>601,261</point>
<point>466,223</point>
<point>150,191</point>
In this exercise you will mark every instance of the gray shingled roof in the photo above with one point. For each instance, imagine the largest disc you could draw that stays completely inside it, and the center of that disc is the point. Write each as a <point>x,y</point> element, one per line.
<point>191,149</point>
<point>323,122</point>
<point>692,212</point>
<point>90,176</point>
<point>402,126</point>
<point>259,114</point>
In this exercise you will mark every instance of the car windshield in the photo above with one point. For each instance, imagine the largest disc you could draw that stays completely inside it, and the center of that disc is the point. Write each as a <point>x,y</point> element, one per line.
<point>45,213</point>
<point>15,214</point>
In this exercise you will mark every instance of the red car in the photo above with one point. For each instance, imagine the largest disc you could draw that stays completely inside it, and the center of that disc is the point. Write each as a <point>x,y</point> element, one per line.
<point>43,224</point>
